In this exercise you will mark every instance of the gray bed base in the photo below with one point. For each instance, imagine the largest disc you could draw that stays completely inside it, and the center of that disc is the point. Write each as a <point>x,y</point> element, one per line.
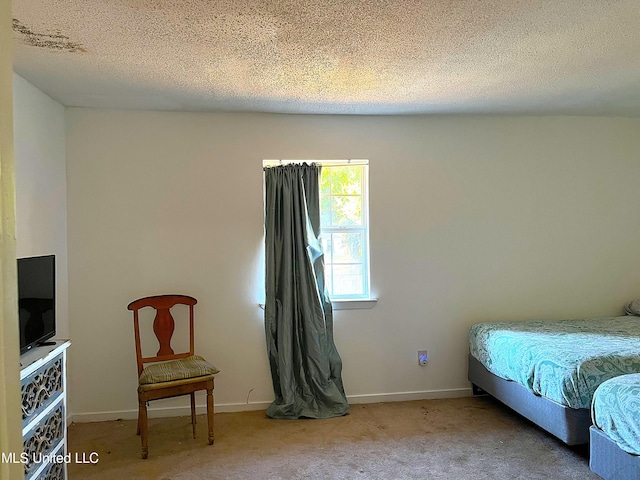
<point>609,461</point>
<point>568,424</point>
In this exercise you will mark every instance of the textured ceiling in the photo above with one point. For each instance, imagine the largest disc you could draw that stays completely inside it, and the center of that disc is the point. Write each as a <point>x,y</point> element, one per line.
<point>332,56</point>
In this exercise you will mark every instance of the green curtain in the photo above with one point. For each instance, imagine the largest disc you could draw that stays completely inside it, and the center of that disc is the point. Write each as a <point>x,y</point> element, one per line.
<point>306,368</point>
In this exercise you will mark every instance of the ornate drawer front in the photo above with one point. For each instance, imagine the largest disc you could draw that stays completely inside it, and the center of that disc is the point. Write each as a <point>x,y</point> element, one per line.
<point>43,439</point>
<point>41,389</point>
<point>53,471</point>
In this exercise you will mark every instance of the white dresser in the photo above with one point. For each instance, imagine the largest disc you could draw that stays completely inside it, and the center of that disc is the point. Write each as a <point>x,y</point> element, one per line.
<point>44,411</point>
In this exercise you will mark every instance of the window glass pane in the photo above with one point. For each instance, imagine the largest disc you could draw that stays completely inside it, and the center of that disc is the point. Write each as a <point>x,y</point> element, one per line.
<point>346,211</point>
<point>347,280</point>
<point>328,278</point>
<point>325,181</point>
<point>346,180</point>
<point>325,211</point>
<point>327,246</point>
<point>347,247</point>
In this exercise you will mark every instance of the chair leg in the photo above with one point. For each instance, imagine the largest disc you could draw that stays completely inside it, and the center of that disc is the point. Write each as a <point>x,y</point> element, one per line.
<point>142,425</point>
<point>193,413</point>
<point>210,413</point>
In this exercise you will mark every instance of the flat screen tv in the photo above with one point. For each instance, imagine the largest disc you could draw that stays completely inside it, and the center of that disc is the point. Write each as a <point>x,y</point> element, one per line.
<point>36,300</point>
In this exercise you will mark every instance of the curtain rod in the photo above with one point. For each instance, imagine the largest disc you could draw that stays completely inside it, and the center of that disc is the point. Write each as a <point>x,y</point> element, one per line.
<point>351,161</point>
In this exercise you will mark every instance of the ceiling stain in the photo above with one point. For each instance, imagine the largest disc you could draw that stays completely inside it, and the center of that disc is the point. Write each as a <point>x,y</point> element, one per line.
<point>54,41</point>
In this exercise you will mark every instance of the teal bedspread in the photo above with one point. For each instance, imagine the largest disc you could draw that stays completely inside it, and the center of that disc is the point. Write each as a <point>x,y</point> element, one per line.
<point>616,411</point>
<point>563,360</point>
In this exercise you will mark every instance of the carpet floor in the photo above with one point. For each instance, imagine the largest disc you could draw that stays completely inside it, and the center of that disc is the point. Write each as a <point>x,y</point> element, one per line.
<point>454,439</point>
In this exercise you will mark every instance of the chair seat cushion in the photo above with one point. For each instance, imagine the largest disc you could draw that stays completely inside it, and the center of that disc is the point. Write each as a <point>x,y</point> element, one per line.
<point>190,367</point>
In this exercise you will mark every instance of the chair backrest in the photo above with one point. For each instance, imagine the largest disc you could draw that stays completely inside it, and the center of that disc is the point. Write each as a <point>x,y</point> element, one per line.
<point>163,326</point>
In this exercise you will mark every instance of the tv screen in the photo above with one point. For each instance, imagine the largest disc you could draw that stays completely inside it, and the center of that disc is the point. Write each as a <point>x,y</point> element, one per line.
<point>36,300</point>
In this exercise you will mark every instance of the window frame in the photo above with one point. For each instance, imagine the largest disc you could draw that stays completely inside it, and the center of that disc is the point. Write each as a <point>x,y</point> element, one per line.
<point>363,229</point>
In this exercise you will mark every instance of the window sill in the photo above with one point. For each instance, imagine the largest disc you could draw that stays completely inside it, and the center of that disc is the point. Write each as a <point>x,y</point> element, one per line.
<point>354,304</point>
<point>351,304</point>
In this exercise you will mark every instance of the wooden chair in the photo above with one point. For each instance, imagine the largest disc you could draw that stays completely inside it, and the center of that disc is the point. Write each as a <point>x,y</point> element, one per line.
<point>170,374</point>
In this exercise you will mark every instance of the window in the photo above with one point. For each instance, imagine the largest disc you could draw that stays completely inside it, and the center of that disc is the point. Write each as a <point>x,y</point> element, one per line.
<point>344,219</point>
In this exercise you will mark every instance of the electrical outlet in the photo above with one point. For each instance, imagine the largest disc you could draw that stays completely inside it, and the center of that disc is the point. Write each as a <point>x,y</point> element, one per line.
<point>422,357</point>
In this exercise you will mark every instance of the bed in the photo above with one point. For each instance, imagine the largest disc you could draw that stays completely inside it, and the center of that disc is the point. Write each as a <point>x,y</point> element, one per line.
<point>548,371</point>
<point>615,433</point>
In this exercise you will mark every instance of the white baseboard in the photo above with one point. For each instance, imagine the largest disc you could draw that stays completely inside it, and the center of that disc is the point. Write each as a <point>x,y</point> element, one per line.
<point>410,396</point>
<point>163,412</point>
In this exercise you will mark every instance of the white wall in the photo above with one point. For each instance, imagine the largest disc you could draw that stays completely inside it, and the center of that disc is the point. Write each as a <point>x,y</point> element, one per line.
<point>41,185</point>
<point>471,219</point>
<point>10,417</point>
